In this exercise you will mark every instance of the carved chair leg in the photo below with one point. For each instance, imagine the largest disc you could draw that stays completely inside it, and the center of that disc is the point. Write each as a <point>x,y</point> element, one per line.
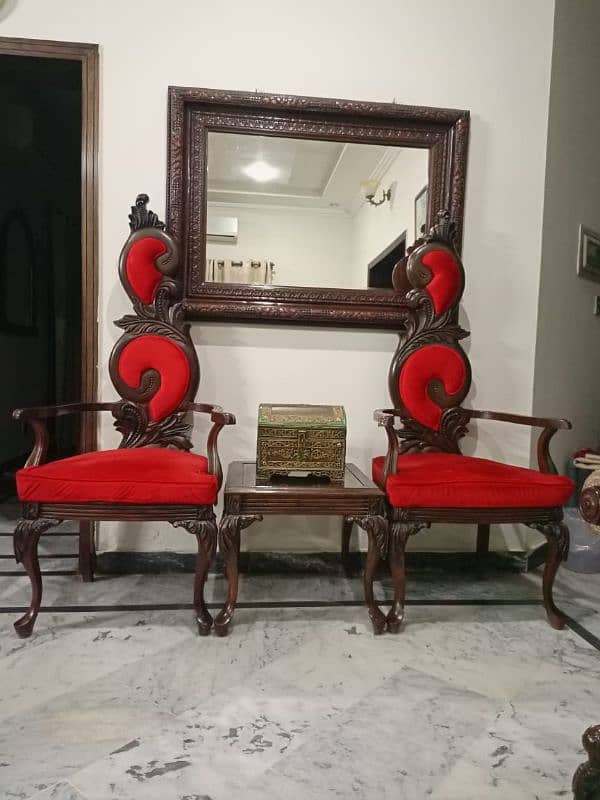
<point>205,531</point>
<point>377,530</point>
<point>345,546</point>
<point>557,536</point>
<point>399,534</point>
<point>483,541</point>
<point>26,537</point>
<point>87,551</point>
<point>229,545</point>
<point>586,780</point>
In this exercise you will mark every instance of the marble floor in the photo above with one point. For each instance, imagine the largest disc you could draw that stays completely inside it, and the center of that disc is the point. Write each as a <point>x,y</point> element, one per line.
<point>477,698</point>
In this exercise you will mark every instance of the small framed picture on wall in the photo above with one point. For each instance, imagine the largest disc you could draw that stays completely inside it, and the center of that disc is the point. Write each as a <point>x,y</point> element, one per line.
<point>421,211</point>
<point>588,258</point>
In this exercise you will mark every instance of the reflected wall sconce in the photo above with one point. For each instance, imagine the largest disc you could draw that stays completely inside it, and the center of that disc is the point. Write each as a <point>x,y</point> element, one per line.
<point>370,187</point>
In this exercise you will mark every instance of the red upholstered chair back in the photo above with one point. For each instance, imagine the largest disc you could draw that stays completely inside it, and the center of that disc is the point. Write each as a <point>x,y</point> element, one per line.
<point>430,374</point>
<point>154,365</point>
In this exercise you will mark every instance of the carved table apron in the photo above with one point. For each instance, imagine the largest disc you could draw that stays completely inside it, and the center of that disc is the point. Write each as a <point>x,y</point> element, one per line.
<point>356,499</point>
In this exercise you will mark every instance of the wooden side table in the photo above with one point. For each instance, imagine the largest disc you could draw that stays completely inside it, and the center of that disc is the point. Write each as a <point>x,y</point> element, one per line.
<point>356,499</point>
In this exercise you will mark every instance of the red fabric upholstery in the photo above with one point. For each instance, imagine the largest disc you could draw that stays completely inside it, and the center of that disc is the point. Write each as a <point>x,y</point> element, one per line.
<point>138,475</point>
<point>444,285</point>
<point>435,361</point>
<point>446,480</point>
<point>168,359</point>
<point>141,273</point>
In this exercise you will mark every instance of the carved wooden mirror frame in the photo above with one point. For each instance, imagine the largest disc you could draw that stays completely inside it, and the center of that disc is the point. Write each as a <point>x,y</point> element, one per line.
<point>195,112</point>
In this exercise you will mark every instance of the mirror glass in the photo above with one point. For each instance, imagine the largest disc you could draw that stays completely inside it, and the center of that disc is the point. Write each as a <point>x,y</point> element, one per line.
<point>303,212</point>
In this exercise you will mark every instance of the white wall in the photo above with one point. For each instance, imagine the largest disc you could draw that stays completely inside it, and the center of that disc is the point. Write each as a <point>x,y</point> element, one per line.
<point>567,365</point>
<point>310,247</point>
<point>374,228</point>
<point>490,57</point>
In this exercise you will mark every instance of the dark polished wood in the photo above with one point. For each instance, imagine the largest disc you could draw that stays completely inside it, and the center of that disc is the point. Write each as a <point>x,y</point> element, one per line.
<point>356,500</point>
<point>422,326</point>
<point>586,780</point>
<point>161,317</point>
<point>193,112</point>
<point>87,55</point>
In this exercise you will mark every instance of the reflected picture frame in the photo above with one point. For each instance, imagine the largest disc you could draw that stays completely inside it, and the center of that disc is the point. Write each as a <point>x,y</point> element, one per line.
<point>588,254</point>
<point>421,212</point>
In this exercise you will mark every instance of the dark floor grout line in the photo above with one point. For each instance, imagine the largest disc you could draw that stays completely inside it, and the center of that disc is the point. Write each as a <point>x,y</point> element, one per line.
<point>41,556</point>
<point>264,604</point>
<point>586,635</point>
<point>18,573</point>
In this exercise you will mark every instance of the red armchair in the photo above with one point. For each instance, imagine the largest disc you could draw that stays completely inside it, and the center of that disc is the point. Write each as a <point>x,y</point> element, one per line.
<point>152,476</point>
<point>424,475</point>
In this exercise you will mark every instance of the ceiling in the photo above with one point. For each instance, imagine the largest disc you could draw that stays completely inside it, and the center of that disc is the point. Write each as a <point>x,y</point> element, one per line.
<point>310,173</point>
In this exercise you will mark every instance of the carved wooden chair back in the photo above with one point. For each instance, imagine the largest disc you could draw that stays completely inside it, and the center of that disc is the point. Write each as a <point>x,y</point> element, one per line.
<point>430,374</point>
<point>153,366</point>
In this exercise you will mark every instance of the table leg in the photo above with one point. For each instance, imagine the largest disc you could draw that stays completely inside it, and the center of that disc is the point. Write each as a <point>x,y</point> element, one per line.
<point>377,530</point>
<point>229,545</point>
<point>345,550</point>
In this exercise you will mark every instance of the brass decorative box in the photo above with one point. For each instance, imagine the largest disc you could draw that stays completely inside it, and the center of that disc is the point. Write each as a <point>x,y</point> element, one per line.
<point>301,439</point>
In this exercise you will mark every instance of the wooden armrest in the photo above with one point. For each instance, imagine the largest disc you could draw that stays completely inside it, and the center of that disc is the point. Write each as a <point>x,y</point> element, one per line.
<point>216,412</point>
<point>36,417</point>
<point>46,412</point>
<point>219,418</point>
<point>385,417</point>
<point>534,422</point>
<point>549,427</point>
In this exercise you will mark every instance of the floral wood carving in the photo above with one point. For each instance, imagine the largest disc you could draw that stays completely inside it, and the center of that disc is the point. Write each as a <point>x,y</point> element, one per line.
<point>150,273</point>
<point>423,330</point>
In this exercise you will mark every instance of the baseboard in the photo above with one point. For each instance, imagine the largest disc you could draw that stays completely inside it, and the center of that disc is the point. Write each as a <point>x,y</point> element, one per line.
<point>128,562</point>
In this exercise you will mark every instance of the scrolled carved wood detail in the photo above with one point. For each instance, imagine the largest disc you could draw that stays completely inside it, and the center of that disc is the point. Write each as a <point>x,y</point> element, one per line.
<point>28,528</point>
<point>377,526</point>
<point>230,527</point>
<point>589,504</point>
<point>586,780</point>
<point>164,317</point>
<point>203,527</point>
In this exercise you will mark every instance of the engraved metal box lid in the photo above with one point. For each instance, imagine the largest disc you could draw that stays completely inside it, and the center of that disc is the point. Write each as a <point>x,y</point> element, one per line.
<point>304,439</point>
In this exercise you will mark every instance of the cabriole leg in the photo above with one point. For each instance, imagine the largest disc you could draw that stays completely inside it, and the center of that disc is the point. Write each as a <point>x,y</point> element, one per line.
<point>377,530</point>
<point>399,534</point>
<point>557,536</point>
<point>25,539</point>
<point>229,546</point>
<point>205,531</point>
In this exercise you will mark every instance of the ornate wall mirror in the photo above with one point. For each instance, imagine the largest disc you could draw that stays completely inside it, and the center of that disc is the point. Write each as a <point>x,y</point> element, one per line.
<point>296,209</point>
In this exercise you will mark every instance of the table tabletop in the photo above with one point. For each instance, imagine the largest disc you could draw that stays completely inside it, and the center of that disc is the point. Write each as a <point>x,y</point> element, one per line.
<point>241,479</point>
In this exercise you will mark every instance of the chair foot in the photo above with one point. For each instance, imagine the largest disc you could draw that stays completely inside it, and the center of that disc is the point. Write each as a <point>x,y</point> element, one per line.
<point>378,621</point>
<point>205,624</point>
<point>223,621</point>
<point>394,619</point>
<point>24,626</point>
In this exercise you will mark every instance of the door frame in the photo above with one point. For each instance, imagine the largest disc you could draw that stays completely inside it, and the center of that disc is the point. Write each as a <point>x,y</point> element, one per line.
<point>88,56</point>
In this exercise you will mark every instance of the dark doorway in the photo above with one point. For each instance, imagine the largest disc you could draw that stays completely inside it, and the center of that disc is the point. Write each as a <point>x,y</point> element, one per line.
<point>381,267</point>
<point>48,247</point>
<point>40,249</point>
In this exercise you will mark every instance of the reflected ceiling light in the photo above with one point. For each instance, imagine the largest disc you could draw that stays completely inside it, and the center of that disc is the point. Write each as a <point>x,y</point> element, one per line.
<point>370,187</point>
<point>261,172</point>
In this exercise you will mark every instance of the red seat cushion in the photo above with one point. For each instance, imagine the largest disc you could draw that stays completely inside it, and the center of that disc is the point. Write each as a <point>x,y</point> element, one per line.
<point>137,475</point>
<point>446,480</point>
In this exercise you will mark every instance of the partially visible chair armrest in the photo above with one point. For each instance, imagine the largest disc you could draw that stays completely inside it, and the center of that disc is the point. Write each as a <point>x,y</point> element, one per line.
<point>549,427</point>
<point>385,418</point>
<point>37,416</point>
<point>219,418</point>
